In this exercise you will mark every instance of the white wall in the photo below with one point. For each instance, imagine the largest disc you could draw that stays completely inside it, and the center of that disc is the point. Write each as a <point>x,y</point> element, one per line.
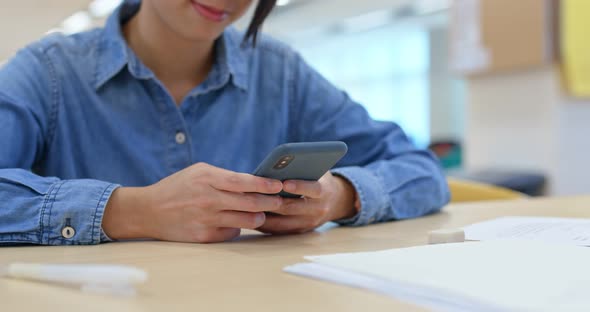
<point>573,145</point>
<point>522,120</point>
<point>447,94</point>
<point>23,21</point>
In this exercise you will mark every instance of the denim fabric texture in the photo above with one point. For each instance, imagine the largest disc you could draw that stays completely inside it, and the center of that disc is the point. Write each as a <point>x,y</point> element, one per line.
<point>81,115</point>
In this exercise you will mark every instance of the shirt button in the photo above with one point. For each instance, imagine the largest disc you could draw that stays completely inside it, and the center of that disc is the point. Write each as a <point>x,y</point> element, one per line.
<point>68,232</point>
<point>180,137</point>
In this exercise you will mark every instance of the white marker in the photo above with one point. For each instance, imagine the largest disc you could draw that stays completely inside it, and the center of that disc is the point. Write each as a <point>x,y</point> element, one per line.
<point>105,279</point>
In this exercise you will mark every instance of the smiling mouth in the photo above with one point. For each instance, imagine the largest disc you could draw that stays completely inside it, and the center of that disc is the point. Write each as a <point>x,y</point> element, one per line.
<point>210,13</point>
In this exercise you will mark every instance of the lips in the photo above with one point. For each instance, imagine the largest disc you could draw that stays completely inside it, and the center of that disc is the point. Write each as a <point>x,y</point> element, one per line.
<point>209,12</point>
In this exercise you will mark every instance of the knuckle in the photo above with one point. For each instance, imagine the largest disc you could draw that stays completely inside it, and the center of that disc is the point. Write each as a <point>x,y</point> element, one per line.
<point>232,179</point>
<point>249,202</point>
<point>278,202</point>
<point>205,175</point>
<point>267,203</point>
<point>246,203</point>
<point>198,177</point>
<point>200,166</point>
<point>207,219</point>
<point>293,207</point>
<point>204,202</point>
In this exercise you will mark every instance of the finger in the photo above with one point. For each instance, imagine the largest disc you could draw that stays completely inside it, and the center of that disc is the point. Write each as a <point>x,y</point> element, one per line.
<point>276,224</point>
<point>311,189</point>
<point>249,202</point>
<point>226,180</point>
<point>219,235</point>
<point>297,207</point>
<point>238,219</point>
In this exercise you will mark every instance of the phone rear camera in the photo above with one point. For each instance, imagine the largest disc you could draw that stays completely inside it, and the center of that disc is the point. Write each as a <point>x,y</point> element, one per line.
<point>283,162</point>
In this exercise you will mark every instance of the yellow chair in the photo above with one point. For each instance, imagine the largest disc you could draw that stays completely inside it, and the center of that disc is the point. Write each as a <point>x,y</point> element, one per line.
<point>468,191</point>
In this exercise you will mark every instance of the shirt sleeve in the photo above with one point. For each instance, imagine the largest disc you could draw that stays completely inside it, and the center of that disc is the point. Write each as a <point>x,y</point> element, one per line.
<point>393,178</point>
<point>36,209</point>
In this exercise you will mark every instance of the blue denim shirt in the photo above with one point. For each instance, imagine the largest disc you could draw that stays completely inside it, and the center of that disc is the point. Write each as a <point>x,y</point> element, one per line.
<point>81,115</point>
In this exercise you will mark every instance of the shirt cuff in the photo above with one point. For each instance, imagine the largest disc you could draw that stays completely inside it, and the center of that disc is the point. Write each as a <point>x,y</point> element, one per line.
<point>104,238</point>
<point>372,196</point>
<point>72,212</point>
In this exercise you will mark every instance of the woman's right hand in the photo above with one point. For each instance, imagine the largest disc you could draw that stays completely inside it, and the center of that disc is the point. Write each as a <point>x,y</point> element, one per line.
<point>201,203</point>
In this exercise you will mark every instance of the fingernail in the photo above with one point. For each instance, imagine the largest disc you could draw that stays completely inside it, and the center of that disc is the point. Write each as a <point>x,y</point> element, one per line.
<point>289,186</point>
<point>260,218</point>
<point>272,184</point>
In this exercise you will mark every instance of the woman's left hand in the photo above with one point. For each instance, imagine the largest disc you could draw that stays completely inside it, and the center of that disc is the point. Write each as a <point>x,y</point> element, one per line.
<point>328,199</point>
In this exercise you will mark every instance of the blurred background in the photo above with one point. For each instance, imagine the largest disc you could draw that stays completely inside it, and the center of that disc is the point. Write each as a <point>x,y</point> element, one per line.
<point>498,89</point>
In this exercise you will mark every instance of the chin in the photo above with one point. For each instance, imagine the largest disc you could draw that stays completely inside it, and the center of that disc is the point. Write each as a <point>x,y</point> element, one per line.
<point>205,36</point>
<point>202,32</point>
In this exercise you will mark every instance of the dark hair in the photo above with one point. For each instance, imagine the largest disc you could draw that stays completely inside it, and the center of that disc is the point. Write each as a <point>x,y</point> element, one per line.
<point>263,9</point>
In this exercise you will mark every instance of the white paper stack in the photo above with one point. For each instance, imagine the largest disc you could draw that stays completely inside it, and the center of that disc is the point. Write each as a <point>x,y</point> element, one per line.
<point>473,276</point>
<point>572,231</point>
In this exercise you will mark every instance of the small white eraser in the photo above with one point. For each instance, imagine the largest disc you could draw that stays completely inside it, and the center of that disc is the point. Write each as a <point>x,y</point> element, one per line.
<point>446,236</point>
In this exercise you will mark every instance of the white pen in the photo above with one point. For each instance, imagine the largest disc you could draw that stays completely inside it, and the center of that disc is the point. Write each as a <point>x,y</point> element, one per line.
<point>111,279</point>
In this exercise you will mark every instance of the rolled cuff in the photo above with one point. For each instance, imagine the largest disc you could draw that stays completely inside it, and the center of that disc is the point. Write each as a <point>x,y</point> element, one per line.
<point>372,196</point>
<point>72,212</point>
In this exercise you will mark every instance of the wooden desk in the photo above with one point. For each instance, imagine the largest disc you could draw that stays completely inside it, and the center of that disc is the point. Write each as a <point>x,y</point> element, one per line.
<point>245,275</point>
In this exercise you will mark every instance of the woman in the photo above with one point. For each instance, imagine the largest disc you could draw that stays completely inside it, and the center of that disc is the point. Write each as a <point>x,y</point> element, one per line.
<point>144,129</point>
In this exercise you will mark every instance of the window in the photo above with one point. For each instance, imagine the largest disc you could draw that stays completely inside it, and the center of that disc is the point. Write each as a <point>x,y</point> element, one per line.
<point>385,69</point>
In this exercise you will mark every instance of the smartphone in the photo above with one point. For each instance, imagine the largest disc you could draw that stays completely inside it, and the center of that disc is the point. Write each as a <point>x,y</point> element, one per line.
<point>301,161</point>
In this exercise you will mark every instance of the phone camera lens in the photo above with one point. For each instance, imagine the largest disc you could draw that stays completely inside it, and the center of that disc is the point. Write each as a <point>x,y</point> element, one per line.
<point>283,162</point>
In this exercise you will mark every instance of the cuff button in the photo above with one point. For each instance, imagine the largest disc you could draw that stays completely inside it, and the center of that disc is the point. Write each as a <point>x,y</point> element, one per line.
<point>68,232</point>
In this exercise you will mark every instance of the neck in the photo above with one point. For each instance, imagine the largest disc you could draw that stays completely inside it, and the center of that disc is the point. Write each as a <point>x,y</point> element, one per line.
<point>172,58</point>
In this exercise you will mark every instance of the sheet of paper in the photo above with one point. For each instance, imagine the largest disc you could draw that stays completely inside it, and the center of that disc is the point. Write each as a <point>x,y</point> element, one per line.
<point>478,276</point>
<point>556,230</point>
<point>418,295</point>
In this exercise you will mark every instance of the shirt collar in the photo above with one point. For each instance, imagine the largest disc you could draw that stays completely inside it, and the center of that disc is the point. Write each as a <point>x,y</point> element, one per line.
<point>114,54</point>
<point>232,53</point>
